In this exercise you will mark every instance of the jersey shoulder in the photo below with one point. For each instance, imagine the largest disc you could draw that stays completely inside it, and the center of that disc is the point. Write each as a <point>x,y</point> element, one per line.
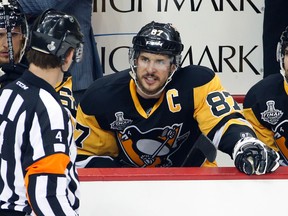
<point>268,87</point>
<point>193,75</point>
<point>104,90</point>
<point>109,81</point>
<point>9,73</point>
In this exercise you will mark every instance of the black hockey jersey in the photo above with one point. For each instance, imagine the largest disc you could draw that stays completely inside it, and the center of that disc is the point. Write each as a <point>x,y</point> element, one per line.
<point>9,73</point>
<point>266,107</point>
<point>112,121</point>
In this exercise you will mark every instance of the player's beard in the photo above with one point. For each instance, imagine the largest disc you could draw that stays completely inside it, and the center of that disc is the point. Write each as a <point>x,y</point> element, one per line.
<point>153,91</point>
<point>6,60</point>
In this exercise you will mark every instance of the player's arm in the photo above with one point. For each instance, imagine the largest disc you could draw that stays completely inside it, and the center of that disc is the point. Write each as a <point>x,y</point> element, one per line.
<point>221,119</point>
<point>251,112</point>
<point>216,111</point>
<point>263,133</point>
<point>96,147</point>
<point>250,155</point>
<point>215,107</point>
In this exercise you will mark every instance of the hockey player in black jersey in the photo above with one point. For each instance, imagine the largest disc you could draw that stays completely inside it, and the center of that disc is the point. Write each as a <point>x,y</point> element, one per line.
<point>152,114</point>
<point>266,104</point>
<point>37,149</point>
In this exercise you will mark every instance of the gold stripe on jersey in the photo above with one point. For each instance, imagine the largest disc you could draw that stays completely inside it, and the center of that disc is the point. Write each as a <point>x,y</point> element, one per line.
<point>67,82</point>
<point>285,86</point>
<point>212,104</point>
<point>66,96</point>
<point>141,111</point>
<point>263,134</point>
<point>209,164</point>
<point>97,141</point>
<point>281,143</point>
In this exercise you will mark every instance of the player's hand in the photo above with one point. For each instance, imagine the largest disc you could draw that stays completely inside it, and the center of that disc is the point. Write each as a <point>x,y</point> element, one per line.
<point>252,156</point>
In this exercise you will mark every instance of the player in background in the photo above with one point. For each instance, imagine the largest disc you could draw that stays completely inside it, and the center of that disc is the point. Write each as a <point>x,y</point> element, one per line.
<point>13,40</point>
<point>266,104</point>
<point>37,149</point>
<point>151,114</point>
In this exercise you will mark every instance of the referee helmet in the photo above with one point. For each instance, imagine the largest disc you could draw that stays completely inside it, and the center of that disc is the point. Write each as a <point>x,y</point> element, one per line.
<point>55,32</point>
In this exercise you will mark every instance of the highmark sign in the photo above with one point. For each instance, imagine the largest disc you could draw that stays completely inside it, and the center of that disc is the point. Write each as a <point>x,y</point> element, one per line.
<point>223,35</point>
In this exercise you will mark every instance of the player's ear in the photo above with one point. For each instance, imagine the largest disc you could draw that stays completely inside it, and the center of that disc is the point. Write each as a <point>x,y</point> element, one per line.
<point>67,61</point>
<point>173,67</point>
<point>71,54</point>
<point>66,57</point>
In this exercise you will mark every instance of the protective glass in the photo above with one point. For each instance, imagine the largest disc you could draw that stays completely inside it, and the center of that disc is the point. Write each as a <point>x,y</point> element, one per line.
<point>159,64</point>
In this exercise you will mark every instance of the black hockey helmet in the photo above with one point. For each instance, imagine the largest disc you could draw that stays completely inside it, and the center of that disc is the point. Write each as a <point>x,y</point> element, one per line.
<point>12,15</point>
<point>55,32</point>
<point>160,38</point>
<point>157,38</point>
<point>15,13</point>
<point>282,44</point>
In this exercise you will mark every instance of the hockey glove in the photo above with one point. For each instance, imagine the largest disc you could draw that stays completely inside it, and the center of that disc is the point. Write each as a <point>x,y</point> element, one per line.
<point>251,156</point>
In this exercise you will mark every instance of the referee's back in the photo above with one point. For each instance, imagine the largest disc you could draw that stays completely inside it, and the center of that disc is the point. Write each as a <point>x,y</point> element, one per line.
<point>37,150</point>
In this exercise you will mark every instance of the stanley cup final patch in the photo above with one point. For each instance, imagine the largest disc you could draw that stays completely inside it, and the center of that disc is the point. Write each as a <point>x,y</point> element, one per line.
<point>120,123</point>
<point>271,115</point>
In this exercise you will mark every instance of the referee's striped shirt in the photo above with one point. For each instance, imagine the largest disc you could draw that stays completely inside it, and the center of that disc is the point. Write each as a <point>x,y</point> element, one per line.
<point>37,150</point>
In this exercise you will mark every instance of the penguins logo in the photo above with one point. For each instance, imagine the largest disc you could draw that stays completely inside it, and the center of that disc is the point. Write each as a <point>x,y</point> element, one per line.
<point>151,148</point>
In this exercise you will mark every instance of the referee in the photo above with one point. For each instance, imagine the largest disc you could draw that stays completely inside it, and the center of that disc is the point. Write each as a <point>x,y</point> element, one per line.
<point>37,150</point>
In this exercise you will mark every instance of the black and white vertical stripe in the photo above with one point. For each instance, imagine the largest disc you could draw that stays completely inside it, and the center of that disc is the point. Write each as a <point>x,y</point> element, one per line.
<point>30,119</point>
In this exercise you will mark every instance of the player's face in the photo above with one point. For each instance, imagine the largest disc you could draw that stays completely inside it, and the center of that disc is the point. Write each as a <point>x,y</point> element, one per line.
<point>153,71</point>
<point>17,40</point>
<point>286,60</point>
